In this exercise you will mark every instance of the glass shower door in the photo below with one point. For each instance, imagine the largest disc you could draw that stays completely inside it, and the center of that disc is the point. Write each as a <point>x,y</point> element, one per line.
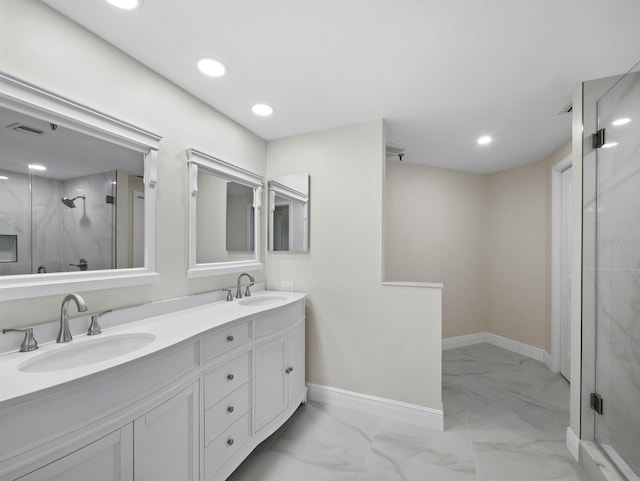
<point>617,429</point>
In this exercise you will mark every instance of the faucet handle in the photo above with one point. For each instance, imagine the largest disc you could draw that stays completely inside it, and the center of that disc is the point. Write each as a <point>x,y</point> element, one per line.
<point>229,295</point>
<point>94,328</point>
<point>247,292</point>
<point>29,342</point>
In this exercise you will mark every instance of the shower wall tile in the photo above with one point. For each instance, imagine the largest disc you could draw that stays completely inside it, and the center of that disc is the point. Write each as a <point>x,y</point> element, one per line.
<point>47,224</point>
<point>618,351</point>
<point>88,230</point>
<point>15,219</point>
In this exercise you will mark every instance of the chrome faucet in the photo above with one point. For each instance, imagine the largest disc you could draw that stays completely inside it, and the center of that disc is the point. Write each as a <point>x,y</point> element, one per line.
<point>64,335</point>
<point>238,286</point>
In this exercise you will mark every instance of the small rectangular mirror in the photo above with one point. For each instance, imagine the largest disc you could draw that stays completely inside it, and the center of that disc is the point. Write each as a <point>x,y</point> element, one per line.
<point>289,213</point>
<point>224,217</point>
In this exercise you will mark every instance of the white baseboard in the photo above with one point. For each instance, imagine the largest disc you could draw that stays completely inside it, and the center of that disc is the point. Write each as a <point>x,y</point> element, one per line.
<point>546,359</point>
<point>509,344</point>
<point>515,346</point>
<point>573,443</point>
<point>389,408</point>
<point>462,341</point>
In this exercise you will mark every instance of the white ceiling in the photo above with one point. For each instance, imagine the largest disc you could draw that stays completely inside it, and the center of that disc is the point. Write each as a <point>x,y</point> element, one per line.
<point>65,153</point>
<point>441,72</point>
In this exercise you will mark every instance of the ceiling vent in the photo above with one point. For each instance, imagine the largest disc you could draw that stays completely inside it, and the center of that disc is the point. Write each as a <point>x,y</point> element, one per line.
<point>567,109</point>
<point>394,153</point>
<point>25,129</point>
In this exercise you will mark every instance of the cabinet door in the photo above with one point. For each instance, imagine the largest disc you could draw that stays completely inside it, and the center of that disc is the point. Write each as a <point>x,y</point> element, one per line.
<point>270,396</point>
<point>108,459</point>
<point>296,365</point>
<point>166,440</point>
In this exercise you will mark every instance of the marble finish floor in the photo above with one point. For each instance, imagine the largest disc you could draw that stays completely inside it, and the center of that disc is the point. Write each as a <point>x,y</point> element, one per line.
<point>505,420</point>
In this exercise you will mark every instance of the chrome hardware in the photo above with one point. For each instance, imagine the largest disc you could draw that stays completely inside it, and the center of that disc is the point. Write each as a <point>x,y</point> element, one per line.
<point>230,441</point>
<point>83,265</point>
<point>231,409</point>
<point>95,328</point>
<point>229,338</point>
<point>247,293</point>
<point>64,335</point>
<point>229,296</point>
<point>29,342</point>
<point>289,370</point>
<point>230,377</point>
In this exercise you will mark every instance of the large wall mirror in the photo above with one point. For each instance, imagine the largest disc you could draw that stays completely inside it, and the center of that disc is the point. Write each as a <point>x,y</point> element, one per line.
<point>289,213</point>
<point>77,203</point>
<point>224,217</point>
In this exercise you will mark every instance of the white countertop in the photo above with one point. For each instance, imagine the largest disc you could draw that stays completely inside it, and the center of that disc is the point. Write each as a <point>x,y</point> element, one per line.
<point>168,329</point>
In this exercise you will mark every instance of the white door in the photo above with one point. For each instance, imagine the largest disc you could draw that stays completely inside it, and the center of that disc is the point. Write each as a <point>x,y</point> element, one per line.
<point>270,383</point>
<point>108,459</point>
<point>565,277</point>
<point>166,440</point>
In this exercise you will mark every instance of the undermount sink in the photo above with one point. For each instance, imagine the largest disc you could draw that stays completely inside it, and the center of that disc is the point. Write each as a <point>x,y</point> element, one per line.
<point>261,300</point>
<point>87,352</point>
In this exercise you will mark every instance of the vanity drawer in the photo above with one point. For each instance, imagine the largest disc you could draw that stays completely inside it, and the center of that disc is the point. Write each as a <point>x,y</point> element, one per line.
<point>224,379</point>
<point>225,339</point>
<point>226,445</point>
<point>225,412</point>
<point>280,319</point>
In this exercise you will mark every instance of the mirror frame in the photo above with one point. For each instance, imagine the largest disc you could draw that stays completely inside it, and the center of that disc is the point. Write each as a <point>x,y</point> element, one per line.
<point>28,99</point>
<point>199,161</point>
<point>285,192</point>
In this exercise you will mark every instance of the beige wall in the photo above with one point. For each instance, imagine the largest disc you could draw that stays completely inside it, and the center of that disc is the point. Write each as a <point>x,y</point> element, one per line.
<point>50,51</point>
<point>516,253</point>
<point>486,237</point>
<point>435,233</point>
<point>361,336</point>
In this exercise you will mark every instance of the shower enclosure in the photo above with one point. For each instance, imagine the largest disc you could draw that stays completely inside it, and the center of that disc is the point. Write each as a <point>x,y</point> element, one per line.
<point>611,279</point>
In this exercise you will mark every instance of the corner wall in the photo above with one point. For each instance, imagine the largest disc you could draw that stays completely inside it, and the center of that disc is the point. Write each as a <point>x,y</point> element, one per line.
<point>486,237</point>
<point>435,233</point>
<point>362,336</point>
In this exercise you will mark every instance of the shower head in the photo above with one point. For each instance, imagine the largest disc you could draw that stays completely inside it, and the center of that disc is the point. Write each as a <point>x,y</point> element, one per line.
<point>70,202</point>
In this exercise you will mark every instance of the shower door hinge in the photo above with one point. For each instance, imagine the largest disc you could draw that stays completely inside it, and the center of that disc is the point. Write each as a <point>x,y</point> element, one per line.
<point>596,402</point>
<point>597,139</point>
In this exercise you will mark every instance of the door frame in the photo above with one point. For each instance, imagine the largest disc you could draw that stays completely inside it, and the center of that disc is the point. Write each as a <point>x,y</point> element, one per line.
<point>556,250</point>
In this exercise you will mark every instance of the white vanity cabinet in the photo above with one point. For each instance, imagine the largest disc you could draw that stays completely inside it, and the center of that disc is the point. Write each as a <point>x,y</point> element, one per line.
<point>166,439</point>
<point>190,411</point>
<point>110,458</point>
<point>279,364</point>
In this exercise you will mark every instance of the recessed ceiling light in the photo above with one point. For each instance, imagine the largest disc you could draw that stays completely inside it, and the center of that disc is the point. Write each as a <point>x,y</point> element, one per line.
<point>37,167</point>
<point>125,4</point>
<point>4,177</point>
<point>211,67</point>
<point>485,140</point>
<point>263,110</point>
<point>608,145</point>
<point>621,121</point>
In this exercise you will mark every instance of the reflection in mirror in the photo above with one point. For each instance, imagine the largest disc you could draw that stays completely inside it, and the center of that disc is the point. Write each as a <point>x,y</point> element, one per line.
<point>228,204</point>
<point>224,217</point>
<point>70,202</point>
<point>77,196</point>
<point>289,213</point>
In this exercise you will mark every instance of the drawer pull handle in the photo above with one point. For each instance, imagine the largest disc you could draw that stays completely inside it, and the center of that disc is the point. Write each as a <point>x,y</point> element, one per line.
<point>231,409</point>
<point>229,338</point>
<point>230,377</point>
<point>289,370</point>
<point>230,441</point>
